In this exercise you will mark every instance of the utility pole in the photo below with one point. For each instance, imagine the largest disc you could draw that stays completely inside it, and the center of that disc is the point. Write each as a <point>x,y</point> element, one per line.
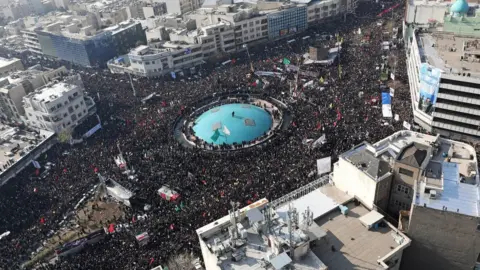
<point>131,83</point>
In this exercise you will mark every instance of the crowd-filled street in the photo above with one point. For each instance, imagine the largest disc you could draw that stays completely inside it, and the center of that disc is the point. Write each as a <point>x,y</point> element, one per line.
<point>344,103</point>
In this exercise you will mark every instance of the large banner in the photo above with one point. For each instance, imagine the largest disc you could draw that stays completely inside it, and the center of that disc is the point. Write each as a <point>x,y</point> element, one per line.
<point>429,84</point>
<point>93,130</point>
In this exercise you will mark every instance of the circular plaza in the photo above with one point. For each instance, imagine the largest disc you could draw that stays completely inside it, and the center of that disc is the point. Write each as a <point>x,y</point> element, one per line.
<point>229,122</point>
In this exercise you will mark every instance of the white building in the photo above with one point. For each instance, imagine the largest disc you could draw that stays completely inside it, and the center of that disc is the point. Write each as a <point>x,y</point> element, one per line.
<point>18,84</point>
<point>180,7</point>
<point>31,41</point>
<point>57,106</point>
<point>444,70</point>
<point>430,184</point>
<point>8,66</point>
<point>316,227</point>
<point>186,49</point>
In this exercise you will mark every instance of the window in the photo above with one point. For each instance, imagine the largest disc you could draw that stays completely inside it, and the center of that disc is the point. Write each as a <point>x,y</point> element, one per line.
<point>406,172</point>
<point>74,117</point>
<point>401,205</point>
<point>403,189</point>
<point>65,114</point>
<point>147,63</point>
<point>257,22</point>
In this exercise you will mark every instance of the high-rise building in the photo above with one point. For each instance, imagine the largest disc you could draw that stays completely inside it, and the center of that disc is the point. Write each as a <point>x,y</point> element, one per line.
<point>444,68</point>
<point>87,46</point>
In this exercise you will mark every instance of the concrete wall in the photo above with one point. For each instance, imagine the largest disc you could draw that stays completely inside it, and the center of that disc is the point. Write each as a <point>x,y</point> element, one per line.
<point>441,240</point>
<point>354,182</point>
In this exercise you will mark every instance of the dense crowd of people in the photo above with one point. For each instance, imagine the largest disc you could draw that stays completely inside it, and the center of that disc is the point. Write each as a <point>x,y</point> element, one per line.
<point>345,106</point>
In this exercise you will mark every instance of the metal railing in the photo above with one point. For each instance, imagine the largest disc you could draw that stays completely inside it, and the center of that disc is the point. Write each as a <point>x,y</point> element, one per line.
<point>302,191</point>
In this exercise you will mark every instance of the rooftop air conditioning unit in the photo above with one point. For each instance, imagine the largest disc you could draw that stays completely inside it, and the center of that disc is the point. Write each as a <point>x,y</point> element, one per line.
<point>433,194</point>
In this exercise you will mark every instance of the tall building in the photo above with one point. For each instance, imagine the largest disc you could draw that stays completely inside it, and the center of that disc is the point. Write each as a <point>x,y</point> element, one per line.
<point>429,184</point>
<point>87,46</point>
<point>58,106</point>
<point>31,41</point>
<point>443,67</point>
<point>288,20</point>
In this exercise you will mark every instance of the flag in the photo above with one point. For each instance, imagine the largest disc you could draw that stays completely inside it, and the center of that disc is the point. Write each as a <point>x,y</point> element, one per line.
<point>286,61</point>
<point>222,193</point>
<point>188,51</point>
<point>177,209</point>
<point>320,141</point>
<point>181,205</point>
<point>42,220</point>
<point>204,182</point>
<point>36,164</point>
<point>321,80</point>
<point>133,219</point>
<point>37,172</point>
<point>95,170</point>
<point>244,46</point>
<point>319,126</point>
<point>204,214</point>
<point>151,261</point>
<point>35,190</point>
<point>234,60</point>
<point>225,130</point>
<point>215,135</point>
<point>174,76</point>
<point>111,228</point>
<point>172,226</point>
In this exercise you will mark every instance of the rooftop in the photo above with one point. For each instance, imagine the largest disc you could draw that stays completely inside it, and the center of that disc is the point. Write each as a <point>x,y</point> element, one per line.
<point>361,238</point>
<point>355,246</point>
<point>445,51</point>
<point>5,62</point>
<point>51,92</point>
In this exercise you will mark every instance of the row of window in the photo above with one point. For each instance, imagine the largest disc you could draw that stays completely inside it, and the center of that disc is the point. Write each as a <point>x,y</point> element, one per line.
<point>401,205</point>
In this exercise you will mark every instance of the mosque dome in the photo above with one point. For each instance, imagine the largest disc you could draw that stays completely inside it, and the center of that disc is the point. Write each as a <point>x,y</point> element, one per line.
<point>460,6</point>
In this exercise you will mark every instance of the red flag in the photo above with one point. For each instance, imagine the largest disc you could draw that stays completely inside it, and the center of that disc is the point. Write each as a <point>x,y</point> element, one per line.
<point>293,124</point>
<point>151,261</point>
<point>335,124</point>
<point>133,219</point>
<point>172,226</point>
<point>64,170</point>
<point>319,126</point>
<point>204,182</point>
<point>42,220</point>
<point>255,195</point>
<point>234,60</point>
<point>222,193</point>
<point>95,170</point>
<point>37,172</point>
<point>111,228</point>
<point>164,104</point>
<point>204,214</point>
<point>249,202</point>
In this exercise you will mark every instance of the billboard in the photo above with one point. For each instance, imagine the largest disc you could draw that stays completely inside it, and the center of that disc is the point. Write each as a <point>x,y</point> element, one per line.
<point>283,32</point>
<point>429,84</point>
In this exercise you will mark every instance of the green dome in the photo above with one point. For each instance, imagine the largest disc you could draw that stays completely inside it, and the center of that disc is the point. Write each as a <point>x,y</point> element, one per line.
<point>460,6</point>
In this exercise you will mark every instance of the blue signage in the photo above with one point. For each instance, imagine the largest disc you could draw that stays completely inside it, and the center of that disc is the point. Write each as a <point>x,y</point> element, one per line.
<point>429,84</point>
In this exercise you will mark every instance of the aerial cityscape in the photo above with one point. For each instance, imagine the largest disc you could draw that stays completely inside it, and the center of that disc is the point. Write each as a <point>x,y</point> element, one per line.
<point>239,134</point>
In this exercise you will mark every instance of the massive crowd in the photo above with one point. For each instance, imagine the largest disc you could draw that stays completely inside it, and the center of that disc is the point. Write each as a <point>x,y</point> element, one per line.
<point>31,209</point>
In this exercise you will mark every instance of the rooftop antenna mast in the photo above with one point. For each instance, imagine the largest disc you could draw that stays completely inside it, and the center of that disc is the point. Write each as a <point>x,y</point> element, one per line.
<point>292,225</point>
<point>233,221</point>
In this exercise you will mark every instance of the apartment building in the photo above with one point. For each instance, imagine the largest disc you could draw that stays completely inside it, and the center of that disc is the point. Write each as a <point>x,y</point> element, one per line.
<point>319,11</point>
<point>443,68</point>
<point>180,7</point>
<point>18,84</point>
<point>427,183</point>
<point>288,20</point>
<point>10,65</point>
<point>184,49</point>
<point>31,41</point>
<point>58,105</point>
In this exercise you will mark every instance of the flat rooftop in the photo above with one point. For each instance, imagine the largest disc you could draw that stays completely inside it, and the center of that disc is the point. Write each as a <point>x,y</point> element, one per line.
<point>51,92</point>
<point>7,61</point>
<point>444,51</point>
<point>16,143</point>
<point>354,245</point>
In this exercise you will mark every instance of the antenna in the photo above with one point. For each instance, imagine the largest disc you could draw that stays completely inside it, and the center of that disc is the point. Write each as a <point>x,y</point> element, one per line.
<point>291,220</point>
<point>233,221</point>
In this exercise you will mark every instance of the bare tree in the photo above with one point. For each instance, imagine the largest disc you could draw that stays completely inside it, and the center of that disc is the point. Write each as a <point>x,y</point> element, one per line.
<point>181,262</point>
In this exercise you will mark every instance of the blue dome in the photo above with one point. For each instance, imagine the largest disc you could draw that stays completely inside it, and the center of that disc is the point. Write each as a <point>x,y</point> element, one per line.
<point>248,123</point>
<point>460,6</point>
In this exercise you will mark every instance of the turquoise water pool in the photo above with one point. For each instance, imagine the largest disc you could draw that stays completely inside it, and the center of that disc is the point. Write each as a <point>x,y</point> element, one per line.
<point>248,123</point>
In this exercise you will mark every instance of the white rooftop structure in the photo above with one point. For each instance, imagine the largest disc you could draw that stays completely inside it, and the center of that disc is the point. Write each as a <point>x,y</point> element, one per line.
<point>6,62</point>
<point>52,92</point>
<point>455,197</point>
<point>312,211</point>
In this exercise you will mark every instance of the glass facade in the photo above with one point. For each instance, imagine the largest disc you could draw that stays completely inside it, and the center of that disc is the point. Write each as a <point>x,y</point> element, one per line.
<point>94,51</point>
<point>287,22</point>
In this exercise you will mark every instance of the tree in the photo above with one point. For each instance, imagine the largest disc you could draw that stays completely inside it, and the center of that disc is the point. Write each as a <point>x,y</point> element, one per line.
<point>65,135</point>
<point>182,261</point>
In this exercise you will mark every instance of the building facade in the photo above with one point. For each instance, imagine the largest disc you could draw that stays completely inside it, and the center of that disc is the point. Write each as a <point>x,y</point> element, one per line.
<point>290,20</point>
<point>444,71</point>
<point>8,66</point>
<point>180,7</point>
<point>31,41</point>
<point>93,50</point>
<point>57,106</point>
